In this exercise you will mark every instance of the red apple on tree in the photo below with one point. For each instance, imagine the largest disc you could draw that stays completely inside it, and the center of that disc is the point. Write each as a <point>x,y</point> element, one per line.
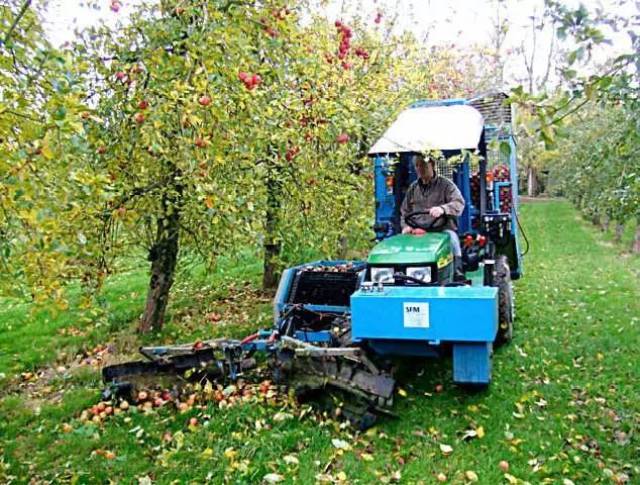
<point>204,100</point>
<point>120,75</point>
<point>342,138</point>
<point>271,32</point>
<point>144,104</point>
<point>291,153</point>
<point>139,118</point>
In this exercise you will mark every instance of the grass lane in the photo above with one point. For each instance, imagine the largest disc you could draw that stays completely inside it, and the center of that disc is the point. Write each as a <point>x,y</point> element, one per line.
<point>564,404</point>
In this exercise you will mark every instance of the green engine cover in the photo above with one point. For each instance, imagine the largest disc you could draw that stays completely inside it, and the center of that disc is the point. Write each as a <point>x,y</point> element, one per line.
<point>432,247</point>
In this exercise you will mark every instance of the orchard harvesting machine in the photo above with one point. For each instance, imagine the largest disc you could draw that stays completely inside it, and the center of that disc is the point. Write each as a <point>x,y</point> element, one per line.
<point>337,324</point>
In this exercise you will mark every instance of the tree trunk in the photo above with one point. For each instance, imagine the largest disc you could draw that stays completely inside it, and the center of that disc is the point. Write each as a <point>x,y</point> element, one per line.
<point>343,246</point>
<point>272,246</point>
<point>164,257</point>
<point>532,181</point>
<point>619,231</point>
<point>605,223</point>
<point>636,242</point>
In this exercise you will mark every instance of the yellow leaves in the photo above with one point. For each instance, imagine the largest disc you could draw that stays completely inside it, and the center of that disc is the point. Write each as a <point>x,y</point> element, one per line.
<point>469,434</point>
<point>511,479</point>
<point>207,453</point>
<point>519,414</point>
<point>45,148</point>
<point>230,453</point>
<point>402,392</point>
<point>76,126</point>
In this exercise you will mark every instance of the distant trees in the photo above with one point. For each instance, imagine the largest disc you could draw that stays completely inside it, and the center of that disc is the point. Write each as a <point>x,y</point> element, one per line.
<point>598,165</point>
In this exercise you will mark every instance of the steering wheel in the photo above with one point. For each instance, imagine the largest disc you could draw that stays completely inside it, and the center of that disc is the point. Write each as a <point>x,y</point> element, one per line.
<point>410,220</point>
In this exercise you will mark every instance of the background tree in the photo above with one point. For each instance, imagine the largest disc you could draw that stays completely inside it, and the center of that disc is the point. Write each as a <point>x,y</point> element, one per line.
<point>225,124</point>
<point>45,229</point>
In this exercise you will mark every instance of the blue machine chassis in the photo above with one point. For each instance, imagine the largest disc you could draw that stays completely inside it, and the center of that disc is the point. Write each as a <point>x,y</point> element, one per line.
<point>463,317</point>
<point>419,321</point>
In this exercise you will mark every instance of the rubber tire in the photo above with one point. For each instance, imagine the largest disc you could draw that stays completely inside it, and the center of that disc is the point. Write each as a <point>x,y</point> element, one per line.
<point>505,302</point>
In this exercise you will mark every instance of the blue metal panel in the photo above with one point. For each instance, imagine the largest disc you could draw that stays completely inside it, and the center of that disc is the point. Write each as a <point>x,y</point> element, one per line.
<point>404,348</point>
<point>313,337</point>
<point>385,200</point>
<point>280,304</point>
<point>515,203</point>
<point>468,314</point>
<point>282,293</point>
<point>462,181</point>
<point>472,363</point>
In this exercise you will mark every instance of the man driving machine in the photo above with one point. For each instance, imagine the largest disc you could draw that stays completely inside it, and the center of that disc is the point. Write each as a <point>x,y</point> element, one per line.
<point>440,200</point>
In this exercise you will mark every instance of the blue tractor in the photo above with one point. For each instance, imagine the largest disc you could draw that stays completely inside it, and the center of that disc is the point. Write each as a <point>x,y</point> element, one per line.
<point>337,324</point>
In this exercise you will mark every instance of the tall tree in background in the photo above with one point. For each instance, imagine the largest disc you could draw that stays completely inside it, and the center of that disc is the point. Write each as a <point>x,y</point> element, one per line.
<point>45,230</point>
<point>227,123</point>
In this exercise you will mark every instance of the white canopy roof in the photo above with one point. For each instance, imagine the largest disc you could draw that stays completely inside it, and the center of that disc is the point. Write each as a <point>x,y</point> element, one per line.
<point>432,128</point>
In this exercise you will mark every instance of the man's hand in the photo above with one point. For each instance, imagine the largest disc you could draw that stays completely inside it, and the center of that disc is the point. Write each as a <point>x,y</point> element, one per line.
<point>416,231</point>
<point>436,212</point>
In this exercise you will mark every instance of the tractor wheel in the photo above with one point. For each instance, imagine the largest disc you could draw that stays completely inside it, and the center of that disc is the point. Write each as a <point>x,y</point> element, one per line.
<point>505,302</point>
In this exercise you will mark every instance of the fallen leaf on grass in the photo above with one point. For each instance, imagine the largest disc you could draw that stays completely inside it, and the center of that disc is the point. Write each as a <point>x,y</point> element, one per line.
<point>207,453</point>
<point>279,417</point>
<point>446,449</point>
<point>272,478</point>
<point>291,460</point>
<point>511,479</point>
<point>621,438</point>
<point>469,434</point>
<point>471,476</point>
<point>340,444</point>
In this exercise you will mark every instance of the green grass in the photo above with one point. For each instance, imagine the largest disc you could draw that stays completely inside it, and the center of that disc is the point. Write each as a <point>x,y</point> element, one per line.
<point>564,403</point>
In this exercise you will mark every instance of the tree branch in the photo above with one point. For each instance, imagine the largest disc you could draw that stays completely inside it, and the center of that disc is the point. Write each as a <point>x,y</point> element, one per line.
<point>21,13</point>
